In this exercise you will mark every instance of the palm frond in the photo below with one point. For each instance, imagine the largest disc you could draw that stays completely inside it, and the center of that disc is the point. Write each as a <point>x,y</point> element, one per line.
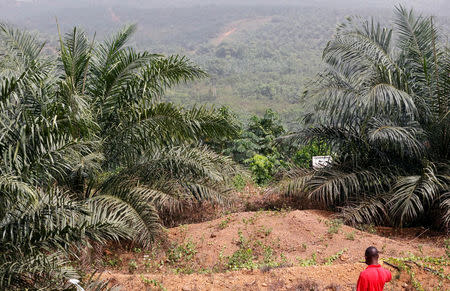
<point>385,98</point>
<point>106,53</point>
<point>165,180</point>
<point>8,86</point>
<point>293,183</point>
<point>404,140</point>
<point>165,72</point>
<point>23,44</point>
<point>131,216</point>
<point>361,44</point>
<point>331,186</point>
<point>15,192</point>
<point>445,206</point>
<point>43,270</point>
<point>75,57</point>
<point>415,35</point>
<point>412,194</point>
<point>371,210</point>
<point>164,124</point>
<point>55,224</point>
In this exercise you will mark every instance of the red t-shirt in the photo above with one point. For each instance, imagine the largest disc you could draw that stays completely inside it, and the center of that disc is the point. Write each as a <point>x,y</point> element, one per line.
<point>373,278</point>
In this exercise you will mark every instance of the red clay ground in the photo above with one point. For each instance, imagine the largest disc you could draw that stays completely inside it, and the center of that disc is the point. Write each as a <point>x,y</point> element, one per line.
<point>297,250</point>
<point>337,277</point>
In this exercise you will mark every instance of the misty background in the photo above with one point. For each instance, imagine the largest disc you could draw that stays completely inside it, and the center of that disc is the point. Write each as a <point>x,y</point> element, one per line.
<point>259,54</point>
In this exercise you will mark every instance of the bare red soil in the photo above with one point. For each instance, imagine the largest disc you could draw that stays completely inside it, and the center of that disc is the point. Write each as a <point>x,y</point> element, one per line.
<point>296,250</point>
<point>249,24</point>
<point>340,277</point>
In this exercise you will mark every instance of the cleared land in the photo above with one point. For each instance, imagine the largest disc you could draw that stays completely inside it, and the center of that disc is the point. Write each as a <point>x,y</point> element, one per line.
<point>278,250</point>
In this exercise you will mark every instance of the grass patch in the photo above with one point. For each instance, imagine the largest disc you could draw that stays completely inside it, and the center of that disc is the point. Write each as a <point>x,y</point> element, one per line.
<point>333,226</point>
<point>180,256</point>
<point>153,282</point>
<point>224,223</point>
<point>182,252</point>
<point>252,256</point>
<point>308,262</point>
<point>350,235</point>
<point>329,261</point>
<point>242,259</point>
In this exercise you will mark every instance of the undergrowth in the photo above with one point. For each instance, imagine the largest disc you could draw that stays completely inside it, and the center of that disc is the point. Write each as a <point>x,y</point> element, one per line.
<point>252,254</point>
<point>334,226</point>
<point>152,282</point>
<point>329,261</point>
<point>428,264</point>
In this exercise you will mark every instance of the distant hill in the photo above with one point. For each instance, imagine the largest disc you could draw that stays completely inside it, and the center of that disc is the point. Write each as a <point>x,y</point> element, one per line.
<point>259,54</point>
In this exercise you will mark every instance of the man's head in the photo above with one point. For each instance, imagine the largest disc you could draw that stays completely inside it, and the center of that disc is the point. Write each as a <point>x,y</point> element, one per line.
<point>371,256</point>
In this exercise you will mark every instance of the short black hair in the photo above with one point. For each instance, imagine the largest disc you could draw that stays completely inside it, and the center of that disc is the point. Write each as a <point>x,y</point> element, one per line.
<point>371,252</point>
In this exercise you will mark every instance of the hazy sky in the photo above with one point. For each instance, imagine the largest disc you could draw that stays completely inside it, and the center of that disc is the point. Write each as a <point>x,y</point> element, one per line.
<point>104,15</point>
<point>437,6</point>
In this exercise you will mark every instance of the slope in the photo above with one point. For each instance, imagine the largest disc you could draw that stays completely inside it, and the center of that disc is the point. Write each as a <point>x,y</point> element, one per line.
<point>275,250</point>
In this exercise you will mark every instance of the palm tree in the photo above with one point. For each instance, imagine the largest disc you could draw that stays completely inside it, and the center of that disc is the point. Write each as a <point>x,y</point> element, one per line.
<point>151,146</point>
<point>91,153</point>
<point>383,107</point>
<point>41,225</point>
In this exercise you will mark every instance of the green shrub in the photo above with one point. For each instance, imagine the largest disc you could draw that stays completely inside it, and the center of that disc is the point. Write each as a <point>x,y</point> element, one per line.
<point>224,223</point>
<point>303,157</point>
<point>181,252</point>
<point>329,261</point>
<point>261,168</point>
<point>153,282</point>
<point>239,182</point>
<point>242,259</point>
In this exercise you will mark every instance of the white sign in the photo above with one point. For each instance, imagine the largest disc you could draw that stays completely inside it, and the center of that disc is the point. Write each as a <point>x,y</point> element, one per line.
<point>319,162</point>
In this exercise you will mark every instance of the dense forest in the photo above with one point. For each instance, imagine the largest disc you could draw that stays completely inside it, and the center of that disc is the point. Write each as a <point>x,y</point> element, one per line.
<point>102,140</point>
<point>256,57</point>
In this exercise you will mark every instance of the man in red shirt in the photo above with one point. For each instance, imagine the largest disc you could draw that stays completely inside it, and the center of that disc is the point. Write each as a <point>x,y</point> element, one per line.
<point>374,277</point>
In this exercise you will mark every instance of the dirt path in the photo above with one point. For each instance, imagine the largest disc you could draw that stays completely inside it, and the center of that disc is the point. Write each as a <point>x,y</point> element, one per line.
<point>113,15</point>
<point>232,28</point>
<point>224,35</point>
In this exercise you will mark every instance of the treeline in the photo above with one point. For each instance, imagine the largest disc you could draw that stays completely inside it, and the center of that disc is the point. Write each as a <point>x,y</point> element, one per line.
<point>266,62</point>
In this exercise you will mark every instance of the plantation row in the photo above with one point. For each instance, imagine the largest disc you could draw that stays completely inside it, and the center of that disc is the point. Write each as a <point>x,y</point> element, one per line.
<point>91,155</point>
